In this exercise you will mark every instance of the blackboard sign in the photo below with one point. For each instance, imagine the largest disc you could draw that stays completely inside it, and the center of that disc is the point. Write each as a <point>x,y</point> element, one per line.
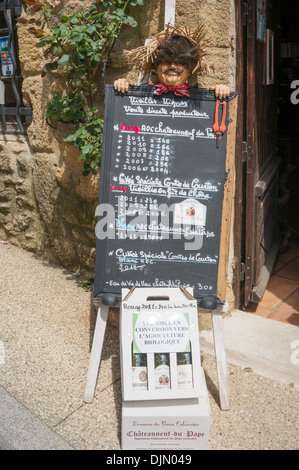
<point>161,192</point>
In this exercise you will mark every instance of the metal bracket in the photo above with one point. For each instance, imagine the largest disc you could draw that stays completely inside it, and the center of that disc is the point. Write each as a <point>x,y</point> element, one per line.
<point>244,151</point>
<point>244,13</point>
<point>242,271</point>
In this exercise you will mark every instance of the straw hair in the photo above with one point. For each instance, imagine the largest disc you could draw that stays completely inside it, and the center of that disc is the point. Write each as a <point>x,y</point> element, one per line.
<point>145,58</point>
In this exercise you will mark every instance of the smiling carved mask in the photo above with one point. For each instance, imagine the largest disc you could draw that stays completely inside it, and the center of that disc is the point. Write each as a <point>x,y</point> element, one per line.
<point>174,47</point>
<point>172,74</point>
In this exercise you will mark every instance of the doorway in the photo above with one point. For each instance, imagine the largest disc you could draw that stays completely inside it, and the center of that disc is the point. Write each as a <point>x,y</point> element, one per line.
<point>288,121</point>
<point>269,92</point>
<point>256,234</point>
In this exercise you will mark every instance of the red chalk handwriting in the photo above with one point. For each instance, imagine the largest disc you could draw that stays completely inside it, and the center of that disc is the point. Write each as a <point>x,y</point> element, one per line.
<point>124,189</point>
<point>123,127</point>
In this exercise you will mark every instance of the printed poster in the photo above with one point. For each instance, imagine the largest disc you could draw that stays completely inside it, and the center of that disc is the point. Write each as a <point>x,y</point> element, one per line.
<point>161,332</point>
<point>6,62</point>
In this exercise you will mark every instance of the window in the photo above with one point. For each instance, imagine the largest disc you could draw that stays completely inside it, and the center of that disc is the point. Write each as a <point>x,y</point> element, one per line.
<point>13,116</point>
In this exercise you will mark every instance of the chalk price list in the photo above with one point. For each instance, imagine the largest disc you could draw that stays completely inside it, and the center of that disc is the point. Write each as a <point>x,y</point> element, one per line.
<point>150,156</point>
<point>165,181</point>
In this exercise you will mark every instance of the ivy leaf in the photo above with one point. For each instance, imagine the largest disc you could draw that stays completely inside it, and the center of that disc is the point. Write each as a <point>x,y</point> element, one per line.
<point>78,37</point>
<point>86,149</point>
<point>70,137</point>
<point>39,33</point>
<point>47,67</point>
<point>22,20</point>
<point>41,43</point>
<point>63,30</point>
<point>64,59</point>
<point>120,12</point>
<point>91,29</point>
<point>64,19</point>
<point>129,20</point>
<point>54,65</point>
<point>37,6</point>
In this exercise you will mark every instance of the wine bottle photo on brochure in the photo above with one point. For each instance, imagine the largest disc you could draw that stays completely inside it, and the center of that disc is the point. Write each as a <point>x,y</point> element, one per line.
<point>162,375</point>
<point>139,371</point>
<point>184,370</point>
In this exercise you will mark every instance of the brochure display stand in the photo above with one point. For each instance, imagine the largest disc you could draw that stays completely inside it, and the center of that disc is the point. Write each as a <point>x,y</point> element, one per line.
<point>159,344</point>
<point>165,400</point>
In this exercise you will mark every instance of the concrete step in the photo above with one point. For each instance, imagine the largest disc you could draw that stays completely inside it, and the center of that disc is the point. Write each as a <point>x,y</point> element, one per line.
<point>269,347</point>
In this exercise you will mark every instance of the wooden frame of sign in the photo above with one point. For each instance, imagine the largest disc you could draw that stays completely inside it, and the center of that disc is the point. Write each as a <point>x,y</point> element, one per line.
<point>227,200</point>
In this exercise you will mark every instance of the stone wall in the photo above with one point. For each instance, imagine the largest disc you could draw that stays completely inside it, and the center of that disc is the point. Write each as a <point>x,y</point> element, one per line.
<point>46,205</point>
<point>19,217</point>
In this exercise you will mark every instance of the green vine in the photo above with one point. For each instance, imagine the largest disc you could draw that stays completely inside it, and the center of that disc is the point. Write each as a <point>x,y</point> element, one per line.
<point>80,43</point>
<point>88,138</point>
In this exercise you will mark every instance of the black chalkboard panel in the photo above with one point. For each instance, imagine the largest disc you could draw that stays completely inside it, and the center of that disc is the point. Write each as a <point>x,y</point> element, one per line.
<point>161,192</point>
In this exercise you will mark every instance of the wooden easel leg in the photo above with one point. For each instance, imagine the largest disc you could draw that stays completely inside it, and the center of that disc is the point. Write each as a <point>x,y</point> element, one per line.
<point>220,360</point>
<point>96,352</point>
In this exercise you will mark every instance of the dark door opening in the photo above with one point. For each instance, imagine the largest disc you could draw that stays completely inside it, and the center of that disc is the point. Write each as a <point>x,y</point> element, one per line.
<point>256,249</point>
<point>288,122</point>
<point>267,179</point>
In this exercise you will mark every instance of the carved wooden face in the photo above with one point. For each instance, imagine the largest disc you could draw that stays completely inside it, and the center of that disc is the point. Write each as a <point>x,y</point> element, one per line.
<point>172,74</point>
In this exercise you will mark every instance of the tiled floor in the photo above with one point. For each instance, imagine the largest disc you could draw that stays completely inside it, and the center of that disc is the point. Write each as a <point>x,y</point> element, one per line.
<point>281,298</point>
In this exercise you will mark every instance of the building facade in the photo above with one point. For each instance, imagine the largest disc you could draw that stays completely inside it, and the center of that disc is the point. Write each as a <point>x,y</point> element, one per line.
<point>47,206</point>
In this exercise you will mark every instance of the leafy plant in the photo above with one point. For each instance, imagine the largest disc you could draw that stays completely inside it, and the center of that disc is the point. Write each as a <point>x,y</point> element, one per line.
<point>87,285</point>
<point>88,138</point>
<point>66,109</point>
<point>79,42</point>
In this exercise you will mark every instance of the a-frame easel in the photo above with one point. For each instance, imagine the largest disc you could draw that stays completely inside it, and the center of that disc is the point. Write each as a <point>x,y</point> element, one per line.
<point>217,316</point>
